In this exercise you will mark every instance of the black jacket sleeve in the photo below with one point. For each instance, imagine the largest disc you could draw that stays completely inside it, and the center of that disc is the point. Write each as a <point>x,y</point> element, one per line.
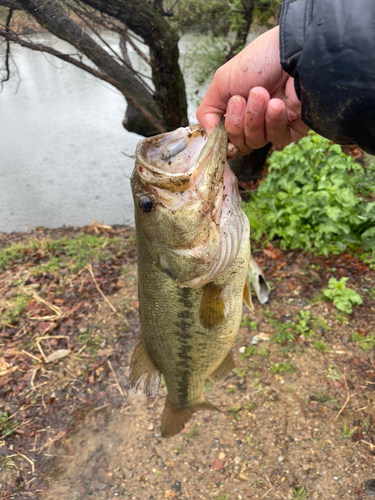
<point>328,46</point>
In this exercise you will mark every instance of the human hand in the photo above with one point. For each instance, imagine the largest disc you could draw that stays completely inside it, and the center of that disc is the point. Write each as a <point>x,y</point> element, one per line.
<point>256,96</point>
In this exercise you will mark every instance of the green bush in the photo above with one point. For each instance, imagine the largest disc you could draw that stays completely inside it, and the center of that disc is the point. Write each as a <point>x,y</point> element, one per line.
<point>310,199</point>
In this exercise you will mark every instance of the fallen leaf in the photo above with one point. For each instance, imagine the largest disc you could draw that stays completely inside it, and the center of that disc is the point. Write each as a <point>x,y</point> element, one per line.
<point>59,354</point>
<point>4,365</point>
<point>218,465</point>
<point>337,383</point>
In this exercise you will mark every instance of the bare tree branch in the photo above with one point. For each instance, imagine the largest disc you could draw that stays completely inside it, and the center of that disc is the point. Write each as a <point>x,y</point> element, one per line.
<point>137,49</point>
<point>82,15</point>
<point>7,50</point>
<point>108,24</point>
<point>149,24</point>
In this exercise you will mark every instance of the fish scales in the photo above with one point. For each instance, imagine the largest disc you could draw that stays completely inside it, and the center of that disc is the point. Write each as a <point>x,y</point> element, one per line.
<point>191,283</point>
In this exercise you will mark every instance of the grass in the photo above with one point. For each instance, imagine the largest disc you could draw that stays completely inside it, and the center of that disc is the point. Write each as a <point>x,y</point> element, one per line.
<point>65,254</point>
<point>320,346</point>
<point>366,343</point>
<point>6,426</point>
<point>246,322</point>
<point>300,494</point>
<point>7,463</point>
<point>193,433</point>
<point>347,432</point>
<point>283,367</point>
<point>241,371</point>
<point>323,397</point>
<point>12,308</point>
<point>320,323</point>
<point>249,351</point>
<point>234,411</point>
<point>333,374</point>
<point>284,333</point>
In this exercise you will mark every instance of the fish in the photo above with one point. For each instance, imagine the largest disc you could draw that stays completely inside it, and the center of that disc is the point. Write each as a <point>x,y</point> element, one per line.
<point>193,247</point>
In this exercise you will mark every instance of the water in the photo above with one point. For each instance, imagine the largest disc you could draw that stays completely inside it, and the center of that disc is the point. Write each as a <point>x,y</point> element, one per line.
<point>62,143</point>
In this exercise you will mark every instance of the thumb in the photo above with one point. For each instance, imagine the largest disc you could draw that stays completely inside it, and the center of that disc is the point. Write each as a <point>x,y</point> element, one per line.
<point>212,109</point>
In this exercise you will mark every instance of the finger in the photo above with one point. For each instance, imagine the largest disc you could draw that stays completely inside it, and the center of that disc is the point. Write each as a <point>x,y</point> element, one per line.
<point>234,123</point>
<point>277,123</point>
<point>293,104</point>
<point>255,135</point>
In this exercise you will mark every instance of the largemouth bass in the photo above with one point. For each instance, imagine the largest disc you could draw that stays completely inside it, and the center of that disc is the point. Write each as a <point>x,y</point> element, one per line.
<point>193,244</point>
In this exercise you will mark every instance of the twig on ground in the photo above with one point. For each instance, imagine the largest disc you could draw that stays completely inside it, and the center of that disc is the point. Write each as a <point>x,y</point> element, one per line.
<point>31,356</point>
<point>89,267</point>
<point>127,434</point>
<point>28,460</point>
<point>266,493</point>
<point>372,446</point>
<point>114,376</point>
<point>348,396</point>
<point>58,312</point>
<point>33,376</point>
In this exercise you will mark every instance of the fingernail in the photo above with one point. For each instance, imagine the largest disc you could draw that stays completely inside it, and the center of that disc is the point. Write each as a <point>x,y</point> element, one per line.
<point>275,111</point>
<point>232,150</point>
<point>256,104</point>
<point>235,108</point>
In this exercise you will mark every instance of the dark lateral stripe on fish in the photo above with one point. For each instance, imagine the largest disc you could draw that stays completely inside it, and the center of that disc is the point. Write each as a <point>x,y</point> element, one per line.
<point>184,334</point>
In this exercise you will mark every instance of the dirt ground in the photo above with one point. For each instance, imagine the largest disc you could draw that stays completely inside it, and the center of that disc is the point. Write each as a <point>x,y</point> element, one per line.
<point>297,416</point>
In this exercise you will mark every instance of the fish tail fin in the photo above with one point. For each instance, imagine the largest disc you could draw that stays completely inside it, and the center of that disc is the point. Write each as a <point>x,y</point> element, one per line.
<point>174,418</point>
<point>142,366</point>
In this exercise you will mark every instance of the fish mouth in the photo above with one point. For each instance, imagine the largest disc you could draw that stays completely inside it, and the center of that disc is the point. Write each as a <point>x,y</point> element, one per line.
<point>184,159</point>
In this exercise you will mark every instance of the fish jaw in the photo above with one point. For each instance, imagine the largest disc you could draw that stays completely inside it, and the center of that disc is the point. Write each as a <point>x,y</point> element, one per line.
<point>192,232</point>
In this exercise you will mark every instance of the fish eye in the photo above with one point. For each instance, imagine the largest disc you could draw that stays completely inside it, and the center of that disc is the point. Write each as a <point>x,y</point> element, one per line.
<point>145,204</point>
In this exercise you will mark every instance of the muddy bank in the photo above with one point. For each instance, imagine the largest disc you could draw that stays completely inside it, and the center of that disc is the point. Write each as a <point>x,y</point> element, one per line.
<point>297,415</point>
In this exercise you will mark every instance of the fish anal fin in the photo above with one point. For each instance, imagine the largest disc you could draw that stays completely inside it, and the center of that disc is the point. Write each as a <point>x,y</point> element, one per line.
<point>212,310</point>
<point>141,365</point>
<point>174,418</point>
<point>224,369</point>
<point>247,296</point>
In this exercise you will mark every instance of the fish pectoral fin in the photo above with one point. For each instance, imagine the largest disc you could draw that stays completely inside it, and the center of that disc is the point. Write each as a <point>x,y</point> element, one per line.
<point>141,365</point>
<point>212,310</point>
<point>247,296</point>
<point>224,369</point>
<point>174,418</point>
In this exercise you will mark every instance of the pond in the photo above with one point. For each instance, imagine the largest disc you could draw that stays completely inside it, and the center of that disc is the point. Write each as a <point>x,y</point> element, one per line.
<point>65,158</point>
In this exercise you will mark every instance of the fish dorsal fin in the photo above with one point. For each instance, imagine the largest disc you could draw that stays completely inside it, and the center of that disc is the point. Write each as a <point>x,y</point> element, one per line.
<point>142,366</point>
<point>224,369</point>
<point>174,418</point>
<point>247,296</point>
<point>212,310</point>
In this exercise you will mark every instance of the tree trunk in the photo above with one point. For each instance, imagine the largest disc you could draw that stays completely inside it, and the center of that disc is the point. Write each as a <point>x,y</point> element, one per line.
<point>243,28</point>
<point>162,40</point>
